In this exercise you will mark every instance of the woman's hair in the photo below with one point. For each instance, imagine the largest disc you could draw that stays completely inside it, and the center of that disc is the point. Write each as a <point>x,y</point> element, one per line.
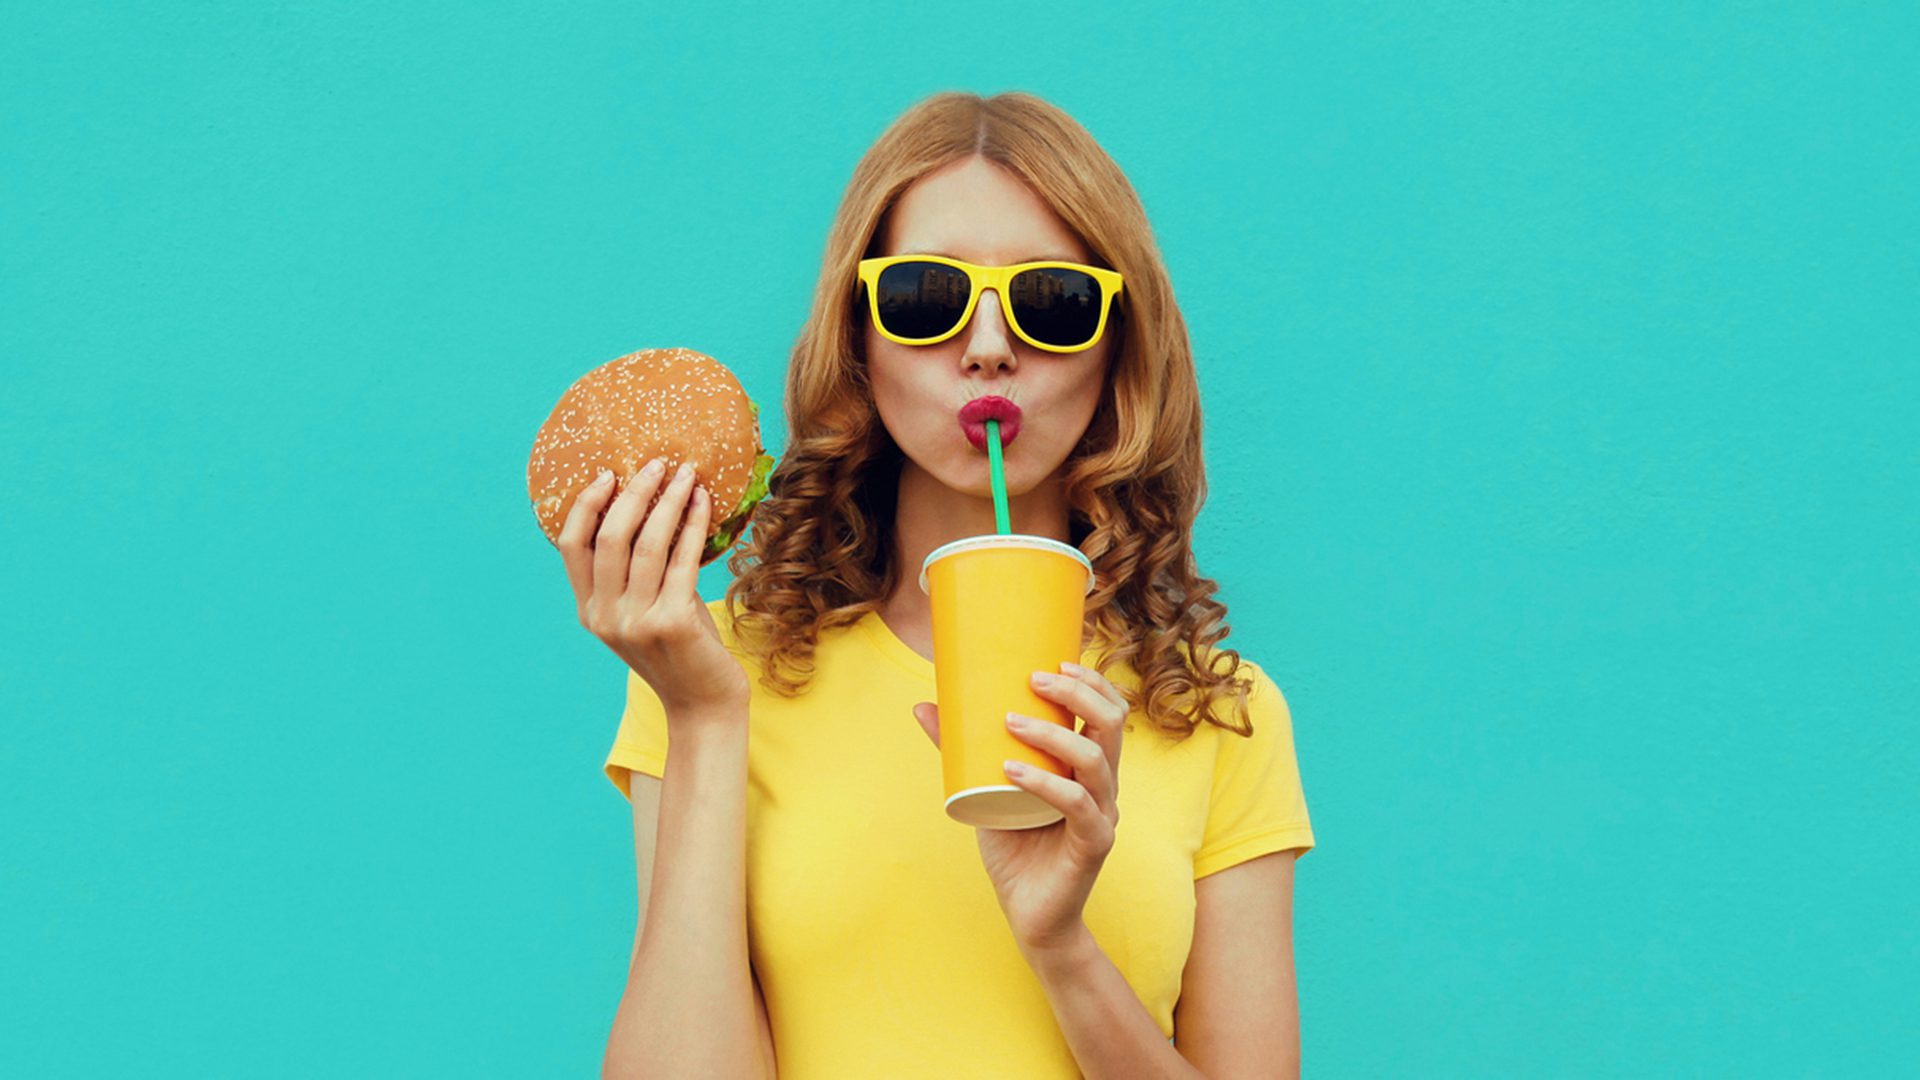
<point>820,552</point>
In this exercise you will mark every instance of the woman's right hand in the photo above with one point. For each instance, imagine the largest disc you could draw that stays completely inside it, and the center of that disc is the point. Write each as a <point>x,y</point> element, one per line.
<point>641,602</point>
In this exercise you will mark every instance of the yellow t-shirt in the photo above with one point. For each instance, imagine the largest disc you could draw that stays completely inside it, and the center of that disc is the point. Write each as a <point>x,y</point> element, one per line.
<point>873,926</point>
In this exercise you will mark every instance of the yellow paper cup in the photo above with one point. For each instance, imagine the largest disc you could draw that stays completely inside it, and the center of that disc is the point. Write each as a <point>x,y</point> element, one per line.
<point>1004,607</point>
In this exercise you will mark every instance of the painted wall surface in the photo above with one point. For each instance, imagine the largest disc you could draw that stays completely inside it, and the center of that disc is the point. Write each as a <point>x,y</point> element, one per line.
<point>1559,372</point>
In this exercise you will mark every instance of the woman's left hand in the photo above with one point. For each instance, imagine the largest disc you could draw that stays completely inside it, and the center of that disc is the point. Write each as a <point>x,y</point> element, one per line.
<point>1042,876</point>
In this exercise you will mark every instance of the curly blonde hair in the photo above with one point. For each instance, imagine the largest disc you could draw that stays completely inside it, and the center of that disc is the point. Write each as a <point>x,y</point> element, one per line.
<point>819,554</point>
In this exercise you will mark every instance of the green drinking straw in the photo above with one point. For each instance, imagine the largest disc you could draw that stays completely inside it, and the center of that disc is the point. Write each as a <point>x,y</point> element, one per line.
<point>998,469</point>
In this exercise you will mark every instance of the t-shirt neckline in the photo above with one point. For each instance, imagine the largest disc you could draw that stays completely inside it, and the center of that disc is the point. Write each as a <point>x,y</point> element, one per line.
<point>890,645</point>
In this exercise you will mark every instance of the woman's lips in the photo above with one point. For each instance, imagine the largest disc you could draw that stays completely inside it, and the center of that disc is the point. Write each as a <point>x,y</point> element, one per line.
<point>975,414</point>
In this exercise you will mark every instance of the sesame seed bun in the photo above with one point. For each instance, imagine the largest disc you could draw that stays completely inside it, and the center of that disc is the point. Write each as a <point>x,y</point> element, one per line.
<point>676,404</point>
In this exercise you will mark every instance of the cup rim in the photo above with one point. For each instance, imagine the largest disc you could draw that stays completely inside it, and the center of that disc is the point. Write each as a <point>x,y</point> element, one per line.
<point>965,543</point>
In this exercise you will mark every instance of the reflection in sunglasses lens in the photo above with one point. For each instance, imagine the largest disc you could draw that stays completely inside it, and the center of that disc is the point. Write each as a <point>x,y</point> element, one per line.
<point>1055,306</point>
<point>921,299</point>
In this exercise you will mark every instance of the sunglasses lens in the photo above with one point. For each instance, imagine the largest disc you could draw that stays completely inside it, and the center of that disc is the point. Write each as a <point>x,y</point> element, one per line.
<point>1056,306</point>
<point>921,299</point>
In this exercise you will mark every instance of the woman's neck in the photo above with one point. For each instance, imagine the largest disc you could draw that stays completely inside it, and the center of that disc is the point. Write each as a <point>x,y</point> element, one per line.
<point>929,514</point>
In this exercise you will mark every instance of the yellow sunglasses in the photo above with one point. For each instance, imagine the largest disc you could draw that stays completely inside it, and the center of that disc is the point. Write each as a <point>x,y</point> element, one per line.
<point>926,299</point>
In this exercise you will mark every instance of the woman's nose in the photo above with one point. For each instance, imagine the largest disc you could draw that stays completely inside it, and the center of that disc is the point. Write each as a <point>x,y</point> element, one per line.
<point>989,339</point>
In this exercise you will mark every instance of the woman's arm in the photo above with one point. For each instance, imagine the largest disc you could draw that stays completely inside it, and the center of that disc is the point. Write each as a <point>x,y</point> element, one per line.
<point>1111,1034</point>
<point>1237,1015</point>
<point>691,1007</point>
<point>1239,1010</point>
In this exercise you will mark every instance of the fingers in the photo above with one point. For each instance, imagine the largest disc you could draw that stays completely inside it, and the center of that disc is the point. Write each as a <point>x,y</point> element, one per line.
<point>929,716</point>
<point>1100,684</point>
<point>576,534</point>
<point>1092,768</point>
<point>1099,705</point>
<point>683,570</point>
<point>610,544</point>
<point>1102,714</point>
<point>650,549</point>
<point>1086,821</point>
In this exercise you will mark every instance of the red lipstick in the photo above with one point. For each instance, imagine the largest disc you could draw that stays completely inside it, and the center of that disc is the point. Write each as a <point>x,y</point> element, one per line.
<point>975,414</point>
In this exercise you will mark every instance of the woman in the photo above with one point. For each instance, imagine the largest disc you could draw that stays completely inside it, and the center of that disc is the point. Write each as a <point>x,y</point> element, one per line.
<point>804,901</point>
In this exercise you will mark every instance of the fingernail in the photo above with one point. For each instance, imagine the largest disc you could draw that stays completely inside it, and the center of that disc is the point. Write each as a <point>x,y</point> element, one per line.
<point>601,480</point>
<point>653,468</point>
<point>685,471</point>
<point>1071,668</point>
<point>1042,678</point>
<point>1016,721</point>
<point>1014,768</point>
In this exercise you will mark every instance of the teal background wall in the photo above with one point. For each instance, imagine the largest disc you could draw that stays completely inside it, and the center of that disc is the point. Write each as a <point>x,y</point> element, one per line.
<point>1559,362</point>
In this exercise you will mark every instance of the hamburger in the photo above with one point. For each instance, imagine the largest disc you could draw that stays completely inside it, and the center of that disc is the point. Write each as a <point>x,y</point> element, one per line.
<point>677,404</point>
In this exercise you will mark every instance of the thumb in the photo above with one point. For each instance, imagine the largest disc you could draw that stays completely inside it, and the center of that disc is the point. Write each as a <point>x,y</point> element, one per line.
<point>929,716</point>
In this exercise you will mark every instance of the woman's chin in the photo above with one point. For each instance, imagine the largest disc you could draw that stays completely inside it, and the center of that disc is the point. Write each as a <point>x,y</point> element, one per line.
<point>971,477</point>
<point>971,474</point>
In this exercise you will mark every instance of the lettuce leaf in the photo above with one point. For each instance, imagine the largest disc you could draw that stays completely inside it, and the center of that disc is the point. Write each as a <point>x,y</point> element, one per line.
<point>734,523</point>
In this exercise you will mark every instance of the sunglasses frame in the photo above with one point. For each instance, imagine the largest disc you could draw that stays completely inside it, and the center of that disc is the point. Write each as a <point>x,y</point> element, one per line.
<point>980,279</point>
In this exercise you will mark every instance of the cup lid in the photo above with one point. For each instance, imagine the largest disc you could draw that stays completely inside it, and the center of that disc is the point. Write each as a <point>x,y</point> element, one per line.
<point>968,543</point>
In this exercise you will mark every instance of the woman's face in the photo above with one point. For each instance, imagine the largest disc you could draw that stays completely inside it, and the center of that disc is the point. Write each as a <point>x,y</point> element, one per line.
<point>975,211</point>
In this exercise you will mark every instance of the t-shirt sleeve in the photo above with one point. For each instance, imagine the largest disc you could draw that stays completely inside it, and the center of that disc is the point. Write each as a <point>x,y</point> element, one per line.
<point>1257,805</point>
<point>641,743</point>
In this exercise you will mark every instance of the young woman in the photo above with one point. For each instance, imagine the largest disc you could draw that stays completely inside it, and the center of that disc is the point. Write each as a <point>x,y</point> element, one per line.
<point>806,906</point>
